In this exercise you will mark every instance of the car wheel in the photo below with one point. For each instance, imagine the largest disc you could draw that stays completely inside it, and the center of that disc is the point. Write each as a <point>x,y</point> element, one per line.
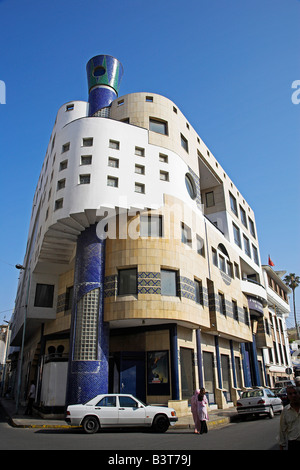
<point>160,423</point>
<point>90,425</point>
<point>271,413</point>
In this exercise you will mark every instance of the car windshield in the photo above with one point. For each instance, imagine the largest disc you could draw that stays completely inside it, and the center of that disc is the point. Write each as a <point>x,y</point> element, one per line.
<point>253,394</point>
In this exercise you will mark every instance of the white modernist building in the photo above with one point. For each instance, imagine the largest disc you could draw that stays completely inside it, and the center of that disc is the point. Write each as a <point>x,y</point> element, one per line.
<point>142,269</point>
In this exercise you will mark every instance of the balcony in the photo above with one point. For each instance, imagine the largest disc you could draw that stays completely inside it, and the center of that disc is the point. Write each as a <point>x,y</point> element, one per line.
<point>254,289</point>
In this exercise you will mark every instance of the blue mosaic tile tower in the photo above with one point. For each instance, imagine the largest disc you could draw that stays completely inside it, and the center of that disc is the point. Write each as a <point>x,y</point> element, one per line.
<point>88,360</point>
<point>104,74</point>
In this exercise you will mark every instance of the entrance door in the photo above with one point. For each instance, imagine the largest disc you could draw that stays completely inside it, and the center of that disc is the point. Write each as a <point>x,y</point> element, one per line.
<point>188,383</point>
<point>132,374</point>
<point>226,377</point>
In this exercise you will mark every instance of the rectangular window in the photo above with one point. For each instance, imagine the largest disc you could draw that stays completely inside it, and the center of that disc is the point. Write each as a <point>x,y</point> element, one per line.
<point>113,162</point>
<point>120,102</point>
<point>139,188</point>
<point>222,264</point>
<point>86,159</point>
<point>87,142</point>
<point>198,292</point>
<point>235,310</point>
<point>255,254</point>
<point>236,270</point>
<point>214,257</point>
<point>243,217</point>
<point>159,126</point>
<point>84,179</point>
<point>114,144</point>
<point>184,143</point>
<point>44,295</point>
<point>229,269</point>
<point>186,235</point>
<point>149,99</point>
<point>151,226</point>
<point>127,281</point>
<point>251,226</point>
<point>222,305</point>
<point>233,204</point>
<point>112,181</point>
<point>139,151</point>
<point>164,175</point>
<point>209,199</point>
<point>246,316</point>
<point>247,246</point>
<point>168,282</point>
<point>200,246</point>
<point>69,107</point>
<point>236,235</point>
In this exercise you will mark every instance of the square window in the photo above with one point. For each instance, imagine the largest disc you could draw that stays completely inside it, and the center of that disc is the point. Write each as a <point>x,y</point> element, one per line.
<point>44,295</point>
<point>120,102</point>
<point>163,158</point>
<point>159,126</point>
<point>149,99</point>
<point>113,162</point>
<point>112,181</point>
<point>63,165</point>
<point>151,226</point>
<point>84,179</point>
<point>65,147</point>
<point>114,144</point>
<point>127,281</point>
<point>60,185</point>
<point>69,107</point>
<point>169,282</point>
<point>87,142</point>
<point>164,175</point>
<point>139,188</point>
<point>139,151</point>
<point>86,159</point>
<point>140,169</point>
<point>58,204</point>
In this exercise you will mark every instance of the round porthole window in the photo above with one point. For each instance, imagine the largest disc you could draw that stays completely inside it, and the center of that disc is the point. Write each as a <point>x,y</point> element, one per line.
<point>98,71</point>
<point>190,186</point>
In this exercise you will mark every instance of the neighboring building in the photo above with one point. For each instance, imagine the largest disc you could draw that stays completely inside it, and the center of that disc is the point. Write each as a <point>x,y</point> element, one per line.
<point>278,358</point>
<point>143,270</point>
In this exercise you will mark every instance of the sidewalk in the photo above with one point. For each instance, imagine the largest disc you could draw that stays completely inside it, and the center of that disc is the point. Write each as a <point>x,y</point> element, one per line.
<point>216,418</point>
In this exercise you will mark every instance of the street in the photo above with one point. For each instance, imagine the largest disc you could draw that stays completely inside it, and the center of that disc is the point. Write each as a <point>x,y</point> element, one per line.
<point>256,434</point>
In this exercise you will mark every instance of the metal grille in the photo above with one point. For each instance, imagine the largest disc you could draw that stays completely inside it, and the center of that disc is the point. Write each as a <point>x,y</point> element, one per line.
<point>86,335</point>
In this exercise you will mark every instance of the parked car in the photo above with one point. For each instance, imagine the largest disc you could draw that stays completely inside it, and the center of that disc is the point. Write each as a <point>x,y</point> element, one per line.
<point>283,395</point>
<point>284,383</point>
<point>259,401</point>
<point>119,410</point>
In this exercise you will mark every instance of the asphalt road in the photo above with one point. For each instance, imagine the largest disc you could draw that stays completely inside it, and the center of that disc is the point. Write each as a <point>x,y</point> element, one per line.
<point>256,434</point>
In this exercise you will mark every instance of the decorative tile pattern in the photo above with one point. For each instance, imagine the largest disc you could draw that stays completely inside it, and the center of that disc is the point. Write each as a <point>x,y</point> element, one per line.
<point>149,283</point>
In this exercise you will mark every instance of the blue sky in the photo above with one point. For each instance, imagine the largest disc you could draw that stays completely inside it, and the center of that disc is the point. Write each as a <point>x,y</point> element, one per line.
<point>228,65</point>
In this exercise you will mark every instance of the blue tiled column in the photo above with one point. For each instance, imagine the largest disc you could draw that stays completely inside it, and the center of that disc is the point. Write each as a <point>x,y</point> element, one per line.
<point>88,365</point>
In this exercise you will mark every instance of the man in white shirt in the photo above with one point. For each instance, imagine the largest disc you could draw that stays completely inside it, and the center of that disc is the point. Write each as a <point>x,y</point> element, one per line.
<point>31,398</point>
<point>289,431</point>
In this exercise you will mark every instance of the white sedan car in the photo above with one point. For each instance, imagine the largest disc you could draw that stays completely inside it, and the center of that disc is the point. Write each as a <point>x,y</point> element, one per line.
<point>259,401</point>
<point>119,410</point>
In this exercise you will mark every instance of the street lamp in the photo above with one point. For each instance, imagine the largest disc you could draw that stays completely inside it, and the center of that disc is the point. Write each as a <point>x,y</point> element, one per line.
<point>22,268</point>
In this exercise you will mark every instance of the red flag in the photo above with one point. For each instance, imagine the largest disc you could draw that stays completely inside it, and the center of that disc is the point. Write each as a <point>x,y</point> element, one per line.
<point>271,262</point>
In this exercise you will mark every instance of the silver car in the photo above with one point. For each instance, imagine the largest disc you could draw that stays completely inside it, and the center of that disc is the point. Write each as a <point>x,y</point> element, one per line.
<point>259,401</point>
<point>119,410</point>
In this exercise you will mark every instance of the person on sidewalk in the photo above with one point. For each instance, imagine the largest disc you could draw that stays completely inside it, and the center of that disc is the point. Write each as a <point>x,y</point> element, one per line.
<point>202,411</point>
<point>289,428</point>
<point>194,410</point>
<point>31,397</point>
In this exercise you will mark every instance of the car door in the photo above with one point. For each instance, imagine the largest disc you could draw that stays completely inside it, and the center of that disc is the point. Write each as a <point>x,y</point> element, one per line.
<point>107,410</point>
<point>131,412</point>
<point>274,401</point>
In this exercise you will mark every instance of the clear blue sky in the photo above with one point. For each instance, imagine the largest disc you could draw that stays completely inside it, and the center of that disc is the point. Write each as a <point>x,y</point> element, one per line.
<point>228,65</point>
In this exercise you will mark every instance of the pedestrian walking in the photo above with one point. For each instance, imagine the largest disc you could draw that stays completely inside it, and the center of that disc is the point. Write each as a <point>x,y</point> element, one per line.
<point>31,397</point>
<point>202,411</point>
<point>289,428</point>
<point>194,410</point>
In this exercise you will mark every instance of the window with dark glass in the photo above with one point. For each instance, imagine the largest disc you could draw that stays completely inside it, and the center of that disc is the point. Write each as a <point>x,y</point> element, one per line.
<point>127,282</point>
<point>198,292</point>
<point>157,125</point>
<point>44,295</point>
